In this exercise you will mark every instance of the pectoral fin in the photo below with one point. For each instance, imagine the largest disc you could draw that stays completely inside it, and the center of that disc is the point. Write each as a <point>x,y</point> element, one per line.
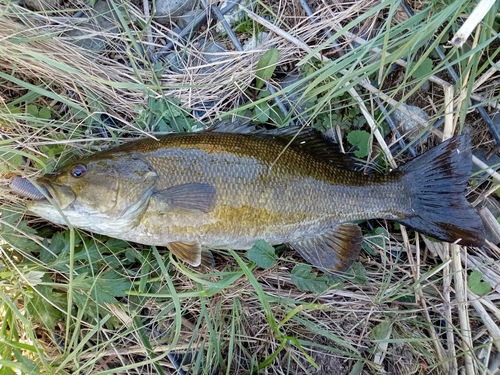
<point>190,197</point>
<point>191,253</point>
<point>334,250</point>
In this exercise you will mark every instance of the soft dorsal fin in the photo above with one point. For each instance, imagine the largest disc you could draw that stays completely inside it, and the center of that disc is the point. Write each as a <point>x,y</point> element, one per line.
<point>334,250</point>
<point>189,197</point>
<point>306,138</point>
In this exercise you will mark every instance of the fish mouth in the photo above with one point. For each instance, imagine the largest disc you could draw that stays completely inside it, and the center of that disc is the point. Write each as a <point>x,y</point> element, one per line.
<point>61,194</point>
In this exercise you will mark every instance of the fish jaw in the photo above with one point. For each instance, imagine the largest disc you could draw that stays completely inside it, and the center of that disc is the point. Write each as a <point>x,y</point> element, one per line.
<point>97,222</point>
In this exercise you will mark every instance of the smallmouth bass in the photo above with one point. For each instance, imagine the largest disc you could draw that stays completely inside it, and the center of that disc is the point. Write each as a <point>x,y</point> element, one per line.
<point>215,189</point>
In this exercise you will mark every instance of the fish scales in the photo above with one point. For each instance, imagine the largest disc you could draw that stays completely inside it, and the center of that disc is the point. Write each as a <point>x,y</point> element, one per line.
<point>263,191</point>
<point>228,190</point>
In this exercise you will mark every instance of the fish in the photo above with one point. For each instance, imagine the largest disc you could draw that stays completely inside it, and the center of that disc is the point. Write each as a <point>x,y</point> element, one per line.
<point>220,189</point>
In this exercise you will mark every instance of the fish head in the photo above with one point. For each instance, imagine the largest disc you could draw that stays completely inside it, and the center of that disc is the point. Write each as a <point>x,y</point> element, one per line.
<point>97,192</point>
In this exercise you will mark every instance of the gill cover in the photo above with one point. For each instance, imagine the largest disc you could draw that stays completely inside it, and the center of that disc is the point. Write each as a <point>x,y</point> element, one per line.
<point>108,185</point>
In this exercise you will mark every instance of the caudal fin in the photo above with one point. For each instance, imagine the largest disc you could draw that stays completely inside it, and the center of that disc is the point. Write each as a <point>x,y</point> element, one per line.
<point>438,180</point>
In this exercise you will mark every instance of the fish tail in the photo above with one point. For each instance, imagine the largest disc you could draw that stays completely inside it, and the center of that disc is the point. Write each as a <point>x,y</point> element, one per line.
<point>438,182</point>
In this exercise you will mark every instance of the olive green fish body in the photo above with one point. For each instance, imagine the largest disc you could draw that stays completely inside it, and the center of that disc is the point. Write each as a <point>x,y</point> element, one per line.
<point>265,190</point>
<point>228,190</point>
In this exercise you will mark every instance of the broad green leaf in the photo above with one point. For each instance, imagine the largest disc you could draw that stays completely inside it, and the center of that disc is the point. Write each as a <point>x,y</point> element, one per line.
<point>104,288</point>
<point>308,281</point>
<point>476,284</point>
<point>262,254</point>
<point>44,113</point>
<point>375,238</point>
<point>266,66</point>
<point>32,110</point>
<point>17,238</point>
<point>423,70</point>
<point>381,331</point>
<point>41,308</point>
<point>116,245</point>
<point>261,112</point>
<point>360,139</point>
<point>356,274</point>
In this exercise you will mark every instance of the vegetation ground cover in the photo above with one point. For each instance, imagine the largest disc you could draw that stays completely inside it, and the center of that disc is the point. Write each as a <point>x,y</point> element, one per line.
<point>77,303</point>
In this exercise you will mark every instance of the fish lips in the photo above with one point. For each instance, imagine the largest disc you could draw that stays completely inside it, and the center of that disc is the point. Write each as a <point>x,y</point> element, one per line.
<point>61,194</point>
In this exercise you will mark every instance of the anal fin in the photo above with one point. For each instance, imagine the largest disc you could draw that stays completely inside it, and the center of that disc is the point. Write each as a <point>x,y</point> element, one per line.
<point>334,250</point>
<point>192,253</point>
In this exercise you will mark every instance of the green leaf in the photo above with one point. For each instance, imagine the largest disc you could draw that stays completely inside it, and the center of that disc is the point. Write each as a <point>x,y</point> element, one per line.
<point>423,70</point>
<point>266,66</point>
<point>381,331</point>
<point>356,274</point>
<point>44,113</point>
<point>262,254</point>
<point>17,238</point>
<point>476,284</point>
<point>261,112</point>
<point>32,110</point>
<point>375,239</point>
<point>360,139</point>
<point>103,288</point>
<point>41,307</point>
<point>307,281</point>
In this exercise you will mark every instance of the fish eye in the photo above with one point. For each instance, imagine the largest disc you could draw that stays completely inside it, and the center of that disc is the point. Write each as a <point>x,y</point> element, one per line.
<point>78,170</point>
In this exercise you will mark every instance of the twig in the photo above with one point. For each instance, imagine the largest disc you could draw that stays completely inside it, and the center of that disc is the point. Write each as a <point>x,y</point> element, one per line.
<point>450,337</point>
<point>461,297</point>
<point>147,16</point>
<point>486,168</point>
<point>486,76</point>
<point>475,17</point>
<point>449,128</point>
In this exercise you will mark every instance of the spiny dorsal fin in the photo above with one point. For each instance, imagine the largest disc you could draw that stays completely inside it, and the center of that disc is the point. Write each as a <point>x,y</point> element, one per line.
<point>306,138</point>
<point>334,250</point>
<point>193,196</point>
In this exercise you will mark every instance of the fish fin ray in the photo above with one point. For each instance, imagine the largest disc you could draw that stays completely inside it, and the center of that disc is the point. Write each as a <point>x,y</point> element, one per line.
<point>207,259</point>
<point>438,182</point>
<point>334,250</point>
<point>189,252</point>
<point>190,197</point>
<point>305,138</point>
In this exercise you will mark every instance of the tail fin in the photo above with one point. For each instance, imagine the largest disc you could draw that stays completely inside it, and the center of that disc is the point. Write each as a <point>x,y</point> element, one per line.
<point>438,180</point>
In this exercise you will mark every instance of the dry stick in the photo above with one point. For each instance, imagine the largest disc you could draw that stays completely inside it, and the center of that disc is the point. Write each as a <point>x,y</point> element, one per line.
<point>450,336</point>
<point>486,76</point>
<point>449,124</point>
<point>491,326</point>
<point>461,298</point>
<point>491,306</point>
<point>147,16</point>
<point>463,91</point>
<point>475,17</point>
<point>490,102</point>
